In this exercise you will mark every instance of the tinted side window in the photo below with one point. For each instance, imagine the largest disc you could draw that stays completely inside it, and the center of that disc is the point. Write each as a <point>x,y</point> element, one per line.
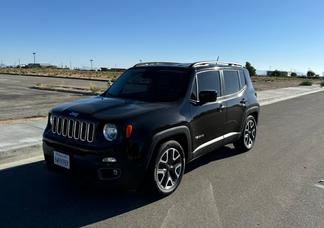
<point>231,79</point>
<point>209,81</point>
<point>242,79</point>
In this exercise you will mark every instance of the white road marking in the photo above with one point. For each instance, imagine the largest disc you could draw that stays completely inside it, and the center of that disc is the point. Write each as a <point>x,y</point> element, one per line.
<point>178,214</point>
<point>21,162</point>
<point>211,189</point>
<point>165,222</point>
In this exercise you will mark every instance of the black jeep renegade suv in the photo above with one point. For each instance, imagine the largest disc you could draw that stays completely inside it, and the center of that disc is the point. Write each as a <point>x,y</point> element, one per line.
<point>152,121</point>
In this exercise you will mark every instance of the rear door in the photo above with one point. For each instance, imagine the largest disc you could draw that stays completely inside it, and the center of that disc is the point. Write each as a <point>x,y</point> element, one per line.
<point>235,99</point>
<point>208,119</point>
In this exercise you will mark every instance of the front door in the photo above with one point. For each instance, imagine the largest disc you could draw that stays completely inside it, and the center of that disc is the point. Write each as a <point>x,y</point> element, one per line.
<point>207,119</point>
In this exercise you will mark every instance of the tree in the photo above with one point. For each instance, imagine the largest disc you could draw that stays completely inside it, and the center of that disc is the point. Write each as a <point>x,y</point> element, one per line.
<point>310,74</point>
<point>250,68</point>
<point>293,74</point>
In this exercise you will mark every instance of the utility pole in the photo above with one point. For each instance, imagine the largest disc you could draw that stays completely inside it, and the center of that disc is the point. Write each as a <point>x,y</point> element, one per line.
<point>34,54</point>
<point>91,60</point>
<point>19,62</point>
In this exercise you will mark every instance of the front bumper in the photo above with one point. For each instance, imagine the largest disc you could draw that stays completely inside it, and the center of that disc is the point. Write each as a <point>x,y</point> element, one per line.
<point>127,172</point>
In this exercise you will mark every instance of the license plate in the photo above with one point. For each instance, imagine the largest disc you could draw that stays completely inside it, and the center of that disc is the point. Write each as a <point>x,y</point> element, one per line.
<point>62,160</point>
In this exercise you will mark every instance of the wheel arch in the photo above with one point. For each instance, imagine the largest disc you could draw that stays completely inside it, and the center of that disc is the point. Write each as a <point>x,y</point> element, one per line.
<point>181,134</point>
<point>253,111</point>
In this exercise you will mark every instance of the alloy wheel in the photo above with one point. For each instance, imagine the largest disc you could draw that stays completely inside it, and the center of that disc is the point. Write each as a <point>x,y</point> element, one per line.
<point>168,169</point>
<point>249,133</point>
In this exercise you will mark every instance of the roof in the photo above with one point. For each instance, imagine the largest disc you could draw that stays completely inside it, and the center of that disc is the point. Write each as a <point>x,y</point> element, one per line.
<point>163,64</point>
<point>200,64</point>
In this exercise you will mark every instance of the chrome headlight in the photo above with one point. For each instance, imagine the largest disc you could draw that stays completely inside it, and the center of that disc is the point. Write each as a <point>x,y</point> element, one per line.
<point>51,119</point>
<point>110,132</point>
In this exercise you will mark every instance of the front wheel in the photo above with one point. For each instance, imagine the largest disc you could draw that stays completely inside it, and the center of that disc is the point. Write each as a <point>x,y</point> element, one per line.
<point>168,169</point>
<point>248,136</point>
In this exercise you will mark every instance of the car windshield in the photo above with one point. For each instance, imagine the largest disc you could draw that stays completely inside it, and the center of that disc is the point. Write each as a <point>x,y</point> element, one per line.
<point>151,84</point>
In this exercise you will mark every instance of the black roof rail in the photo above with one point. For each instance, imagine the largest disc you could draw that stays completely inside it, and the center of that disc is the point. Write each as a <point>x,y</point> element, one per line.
<point>214,63</point>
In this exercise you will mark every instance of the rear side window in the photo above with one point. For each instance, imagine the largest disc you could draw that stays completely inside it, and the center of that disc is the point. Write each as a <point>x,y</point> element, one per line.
<point>232,82</point>
<point>242,79</point>
<point>209,81</point>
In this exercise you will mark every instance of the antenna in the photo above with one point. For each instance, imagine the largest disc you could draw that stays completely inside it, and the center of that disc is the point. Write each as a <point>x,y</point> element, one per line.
<point>217,58</point>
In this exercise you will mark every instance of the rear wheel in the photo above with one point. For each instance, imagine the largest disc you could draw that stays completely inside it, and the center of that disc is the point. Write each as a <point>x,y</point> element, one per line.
<point>248,136</point>
<point>168,168</point>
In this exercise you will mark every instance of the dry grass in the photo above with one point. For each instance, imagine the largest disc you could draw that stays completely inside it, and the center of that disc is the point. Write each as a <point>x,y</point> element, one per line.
<point>306,83</point>
<point>266,83</point>
<point>96,89</point>
<point>104,75</point>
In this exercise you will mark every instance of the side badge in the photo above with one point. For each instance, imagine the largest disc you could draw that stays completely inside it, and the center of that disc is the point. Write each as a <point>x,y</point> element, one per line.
<point>199,136</point>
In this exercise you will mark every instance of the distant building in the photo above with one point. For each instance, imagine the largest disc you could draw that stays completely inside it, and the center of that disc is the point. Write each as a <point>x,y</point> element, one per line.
<point>40,65</point>
<point>112,69</point>
<point>278,73</point>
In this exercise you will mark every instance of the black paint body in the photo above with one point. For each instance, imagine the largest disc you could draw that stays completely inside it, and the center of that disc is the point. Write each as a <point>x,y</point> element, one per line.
<point>199,128</point>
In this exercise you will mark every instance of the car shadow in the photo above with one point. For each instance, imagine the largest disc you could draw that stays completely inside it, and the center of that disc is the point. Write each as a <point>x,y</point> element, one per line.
<point>32,196</point>
<point>219,154</point>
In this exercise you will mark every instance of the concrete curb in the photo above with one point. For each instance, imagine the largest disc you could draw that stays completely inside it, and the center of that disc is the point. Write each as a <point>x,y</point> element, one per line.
<point>25,150</point>
<point>58,76</point>
<point>74,91</point>
<point>24,161</point>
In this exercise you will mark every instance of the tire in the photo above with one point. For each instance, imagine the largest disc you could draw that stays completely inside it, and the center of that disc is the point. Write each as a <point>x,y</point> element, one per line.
<point>248,136</point>
<point>167,168</point>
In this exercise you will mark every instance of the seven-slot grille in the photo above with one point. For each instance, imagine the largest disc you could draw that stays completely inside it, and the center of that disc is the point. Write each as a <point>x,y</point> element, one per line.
<point>73,128</point>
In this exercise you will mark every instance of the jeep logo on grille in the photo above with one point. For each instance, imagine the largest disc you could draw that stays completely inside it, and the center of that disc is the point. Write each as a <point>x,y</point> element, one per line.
<point>75,114</point>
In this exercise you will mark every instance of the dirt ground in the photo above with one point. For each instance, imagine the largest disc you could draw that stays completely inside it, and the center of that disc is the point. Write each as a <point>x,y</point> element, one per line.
<point>266,83</point>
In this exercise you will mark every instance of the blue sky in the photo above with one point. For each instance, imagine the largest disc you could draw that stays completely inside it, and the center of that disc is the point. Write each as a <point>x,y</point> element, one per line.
<point>285,34</point>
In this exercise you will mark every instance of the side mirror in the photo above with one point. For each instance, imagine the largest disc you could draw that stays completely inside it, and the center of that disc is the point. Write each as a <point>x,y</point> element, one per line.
<point>207,96</point>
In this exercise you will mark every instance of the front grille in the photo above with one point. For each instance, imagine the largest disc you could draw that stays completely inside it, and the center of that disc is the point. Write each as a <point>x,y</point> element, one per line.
<point>73,128</point>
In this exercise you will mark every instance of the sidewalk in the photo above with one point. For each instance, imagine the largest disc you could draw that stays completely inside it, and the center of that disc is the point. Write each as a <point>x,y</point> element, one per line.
<point>21,138</point>
<point>267,97</point>
<point>26,136</point>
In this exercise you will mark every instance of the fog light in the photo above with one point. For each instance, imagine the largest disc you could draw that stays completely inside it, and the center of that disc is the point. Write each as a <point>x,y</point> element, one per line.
<point>109,159</point>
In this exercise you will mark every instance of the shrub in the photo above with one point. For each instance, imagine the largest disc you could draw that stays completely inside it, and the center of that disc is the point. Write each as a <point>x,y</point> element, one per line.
<point>310,74</point>
<point>96,89</point>
<point>306,83</point>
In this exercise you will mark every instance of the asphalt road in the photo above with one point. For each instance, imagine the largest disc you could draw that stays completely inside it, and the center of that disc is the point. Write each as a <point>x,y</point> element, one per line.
<point>19,100</point>
<point>273,185</point>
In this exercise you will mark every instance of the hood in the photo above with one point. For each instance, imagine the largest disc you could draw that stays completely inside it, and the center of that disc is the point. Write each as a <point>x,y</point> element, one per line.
<point>108,108</point>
